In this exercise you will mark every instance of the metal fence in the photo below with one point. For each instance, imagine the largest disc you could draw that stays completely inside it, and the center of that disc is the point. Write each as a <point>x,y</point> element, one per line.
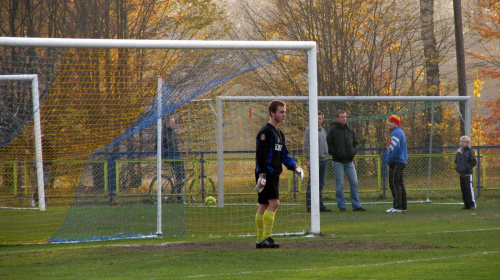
<point>424,175</point>
<point>425,172</point>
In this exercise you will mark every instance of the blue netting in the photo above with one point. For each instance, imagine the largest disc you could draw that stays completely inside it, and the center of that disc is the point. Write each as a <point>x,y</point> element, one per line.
<point>113,205</point>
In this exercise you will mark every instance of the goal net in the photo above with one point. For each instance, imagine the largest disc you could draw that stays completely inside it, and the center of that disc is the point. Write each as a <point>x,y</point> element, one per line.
<point>104,116</point>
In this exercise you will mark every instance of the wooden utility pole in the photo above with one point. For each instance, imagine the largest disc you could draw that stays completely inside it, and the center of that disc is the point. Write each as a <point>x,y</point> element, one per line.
<point>459,45</point>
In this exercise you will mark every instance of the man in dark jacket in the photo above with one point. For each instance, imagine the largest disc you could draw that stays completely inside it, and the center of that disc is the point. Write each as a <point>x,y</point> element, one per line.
<point>171,150</point>
<point>342,144</point>
<point>465,160</point>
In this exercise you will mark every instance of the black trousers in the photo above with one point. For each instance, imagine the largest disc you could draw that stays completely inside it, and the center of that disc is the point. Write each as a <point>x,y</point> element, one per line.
<point>179,176</point>
<point>397,185</point>
<point>467,191</point>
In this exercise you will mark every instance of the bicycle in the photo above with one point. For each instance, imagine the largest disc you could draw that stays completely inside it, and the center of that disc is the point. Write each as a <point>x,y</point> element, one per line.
<point>197,183</point>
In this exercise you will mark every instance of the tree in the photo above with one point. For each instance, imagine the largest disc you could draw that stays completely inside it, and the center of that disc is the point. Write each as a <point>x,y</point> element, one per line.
<point>484,20</point>
<point>98,75</point>
<point>431,62</point>
<point>484,23</point>
<point>364,48</point>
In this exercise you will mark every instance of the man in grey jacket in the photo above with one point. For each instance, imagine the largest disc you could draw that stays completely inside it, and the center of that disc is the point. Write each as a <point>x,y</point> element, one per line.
<point>323,159</point>
<point>342,145</point>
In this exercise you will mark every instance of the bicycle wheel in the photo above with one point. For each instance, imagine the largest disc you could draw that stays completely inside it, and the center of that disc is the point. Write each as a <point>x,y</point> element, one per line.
<point>166,187</point>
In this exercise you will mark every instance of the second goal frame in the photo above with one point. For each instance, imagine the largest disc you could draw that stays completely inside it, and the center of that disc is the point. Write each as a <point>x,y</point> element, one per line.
<point>313,122</point>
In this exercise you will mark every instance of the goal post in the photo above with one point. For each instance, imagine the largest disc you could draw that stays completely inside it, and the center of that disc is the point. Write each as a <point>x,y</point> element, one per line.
<point>33,78</point>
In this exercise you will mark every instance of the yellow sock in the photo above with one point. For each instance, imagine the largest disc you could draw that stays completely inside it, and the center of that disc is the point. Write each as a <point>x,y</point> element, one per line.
<point>259,222</point>
<point>268,224</point>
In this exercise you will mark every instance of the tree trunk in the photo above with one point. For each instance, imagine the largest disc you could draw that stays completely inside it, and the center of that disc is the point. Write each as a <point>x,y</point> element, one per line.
<point>431,63</point>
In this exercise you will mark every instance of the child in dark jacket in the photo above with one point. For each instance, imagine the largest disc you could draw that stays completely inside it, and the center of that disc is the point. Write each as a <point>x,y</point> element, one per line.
<point>465,160</point>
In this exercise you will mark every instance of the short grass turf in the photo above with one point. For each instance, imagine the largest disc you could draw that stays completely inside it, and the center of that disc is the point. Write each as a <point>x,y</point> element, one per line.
<point>430,241</point>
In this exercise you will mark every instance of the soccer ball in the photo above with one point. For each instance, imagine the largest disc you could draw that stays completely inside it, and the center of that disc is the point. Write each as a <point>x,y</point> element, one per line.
<point>210,200</point>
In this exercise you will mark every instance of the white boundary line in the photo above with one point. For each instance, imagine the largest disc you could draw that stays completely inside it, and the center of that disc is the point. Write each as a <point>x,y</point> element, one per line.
<point>18,208</point>
<point>423,233</point>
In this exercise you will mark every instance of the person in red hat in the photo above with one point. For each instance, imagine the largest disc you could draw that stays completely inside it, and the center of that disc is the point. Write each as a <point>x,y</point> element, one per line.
<point>396,158</point>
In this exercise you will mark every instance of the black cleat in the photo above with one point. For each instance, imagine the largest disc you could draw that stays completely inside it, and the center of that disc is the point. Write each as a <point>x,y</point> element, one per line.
<point>324,209</point>
<point>258,245</point>
<point>359,209</point>
<point>342,209</point>
<point>269,243</point>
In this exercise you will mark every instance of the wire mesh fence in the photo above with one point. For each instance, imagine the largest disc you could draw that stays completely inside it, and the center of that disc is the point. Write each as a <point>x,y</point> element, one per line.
<point>425,177</point>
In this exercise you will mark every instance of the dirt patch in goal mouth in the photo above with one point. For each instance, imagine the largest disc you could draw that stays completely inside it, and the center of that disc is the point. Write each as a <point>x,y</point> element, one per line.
<point>284,245</point>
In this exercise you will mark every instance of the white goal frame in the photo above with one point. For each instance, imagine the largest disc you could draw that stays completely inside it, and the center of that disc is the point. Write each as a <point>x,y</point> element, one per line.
<point>313,102</point>
<point>38,131</point>
<point>308,46</point>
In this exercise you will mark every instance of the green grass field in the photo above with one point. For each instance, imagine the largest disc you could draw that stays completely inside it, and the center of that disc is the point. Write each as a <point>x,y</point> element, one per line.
<point>431,241</point>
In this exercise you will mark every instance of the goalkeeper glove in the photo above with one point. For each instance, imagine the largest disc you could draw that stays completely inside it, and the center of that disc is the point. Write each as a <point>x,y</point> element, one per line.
<point>299,172</point>
<point>261,182</point>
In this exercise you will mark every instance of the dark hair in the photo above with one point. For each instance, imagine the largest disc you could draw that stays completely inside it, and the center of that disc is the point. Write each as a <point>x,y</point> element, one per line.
<point>320,113</point>
<point>273,106</point>
<point>341,112</point>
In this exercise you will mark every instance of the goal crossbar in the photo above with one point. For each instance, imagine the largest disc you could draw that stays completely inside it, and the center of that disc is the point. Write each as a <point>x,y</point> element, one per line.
<point>155,44</point>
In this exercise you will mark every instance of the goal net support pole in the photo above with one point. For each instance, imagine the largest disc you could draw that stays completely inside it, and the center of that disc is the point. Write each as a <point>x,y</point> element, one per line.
<point>37,129</point>
<point>159,162</point>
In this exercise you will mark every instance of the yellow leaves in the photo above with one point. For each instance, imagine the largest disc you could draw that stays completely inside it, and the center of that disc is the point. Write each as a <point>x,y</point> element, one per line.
<point>478,85</point>
<point>395,47</point>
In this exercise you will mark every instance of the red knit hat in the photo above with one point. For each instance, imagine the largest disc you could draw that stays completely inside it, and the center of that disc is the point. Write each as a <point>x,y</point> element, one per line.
<point>395,119</point>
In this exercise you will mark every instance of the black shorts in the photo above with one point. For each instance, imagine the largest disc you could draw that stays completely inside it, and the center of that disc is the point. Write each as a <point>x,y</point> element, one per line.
<point>271,190</point>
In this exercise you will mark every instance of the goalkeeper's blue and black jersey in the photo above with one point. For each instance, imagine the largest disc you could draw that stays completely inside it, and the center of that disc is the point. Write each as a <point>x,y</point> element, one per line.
<point>271,151</point>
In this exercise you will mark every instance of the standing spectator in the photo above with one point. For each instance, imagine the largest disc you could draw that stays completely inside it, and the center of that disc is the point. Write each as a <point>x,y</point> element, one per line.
<point>465,160</point>
<point>323,160</point>
<point>171,149</point>
<point>396,158</point>
<point>342,145</point>
<point>271,153</point>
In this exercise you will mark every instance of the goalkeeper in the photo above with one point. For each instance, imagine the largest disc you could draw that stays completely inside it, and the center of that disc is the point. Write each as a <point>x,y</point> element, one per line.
<point>271,153</point>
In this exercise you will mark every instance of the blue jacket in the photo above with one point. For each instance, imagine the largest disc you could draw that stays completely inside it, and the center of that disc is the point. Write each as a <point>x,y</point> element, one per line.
<point>396,147</point>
